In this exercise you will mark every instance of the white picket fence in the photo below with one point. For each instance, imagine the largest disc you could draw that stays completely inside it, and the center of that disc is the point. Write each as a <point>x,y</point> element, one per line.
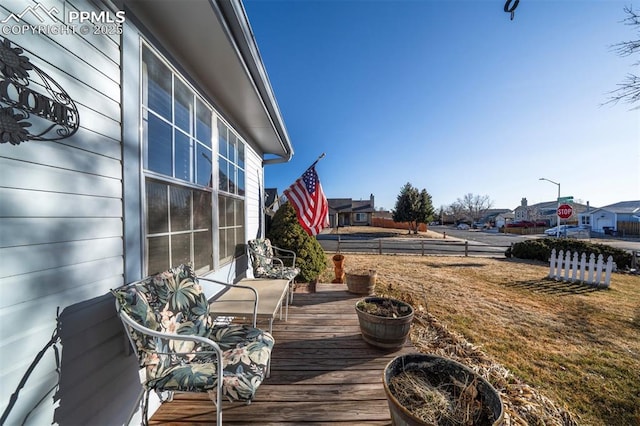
<point>567,267</point>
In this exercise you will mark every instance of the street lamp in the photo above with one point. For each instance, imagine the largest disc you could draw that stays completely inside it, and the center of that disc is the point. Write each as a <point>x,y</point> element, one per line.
<point>558,214</point>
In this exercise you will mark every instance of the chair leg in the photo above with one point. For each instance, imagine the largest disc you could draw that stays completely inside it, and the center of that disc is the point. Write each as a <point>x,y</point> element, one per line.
<point>145,409</point>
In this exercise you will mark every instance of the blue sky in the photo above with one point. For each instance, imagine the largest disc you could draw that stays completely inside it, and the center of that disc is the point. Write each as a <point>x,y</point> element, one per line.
<point>453,97</point>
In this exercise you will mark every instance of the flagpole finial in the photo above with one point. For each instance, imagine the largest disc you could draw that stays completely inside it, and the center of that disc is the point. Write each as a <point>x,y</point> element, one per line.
<point>319,158</point>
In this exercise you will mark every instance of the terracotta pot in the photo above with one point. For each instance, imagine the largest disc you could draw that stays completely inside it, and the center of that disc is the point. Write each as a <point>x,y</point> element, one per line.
<point>338,261</point>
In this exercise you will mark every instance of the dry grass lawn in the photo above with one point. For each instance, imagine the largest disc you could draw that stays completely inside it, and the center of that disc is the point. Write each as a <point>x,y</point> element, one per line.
<point>558,353</point>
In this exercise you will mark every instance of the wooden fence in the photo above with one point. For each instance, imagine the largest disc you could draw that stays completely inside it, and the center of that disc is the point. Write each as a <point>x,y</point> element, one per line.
<point>627,229</point>
<point>389,223</point>
<point>567,267</point>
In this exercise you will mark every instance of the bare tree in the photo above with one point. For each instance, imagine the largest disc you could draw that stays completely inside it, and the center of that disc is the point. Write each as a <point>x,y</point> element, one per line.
<point>472,205</point>
<point>629,90</point>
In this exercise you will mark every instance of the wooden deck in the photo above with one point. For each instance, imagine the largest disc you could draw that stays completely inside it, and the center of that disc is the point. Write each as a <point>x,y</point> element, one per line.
<point>322,372</point>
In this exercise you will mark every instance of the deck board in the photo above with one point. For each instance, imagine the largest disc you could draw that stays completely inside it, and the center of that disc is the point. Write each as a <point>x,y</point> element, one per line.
<point>322,372</point>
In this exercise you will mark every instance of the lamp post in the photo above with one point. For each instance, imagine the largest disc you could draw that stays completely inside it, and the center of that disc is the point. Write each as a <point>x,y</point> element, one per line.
<point>557,214</point>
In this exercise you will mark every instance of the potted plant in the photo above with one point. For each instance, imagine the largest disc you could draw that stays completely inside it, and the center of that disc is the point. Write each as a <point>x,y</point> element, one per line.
<point>384,322</point>
<point>425,389</point>
<point>361,281</point>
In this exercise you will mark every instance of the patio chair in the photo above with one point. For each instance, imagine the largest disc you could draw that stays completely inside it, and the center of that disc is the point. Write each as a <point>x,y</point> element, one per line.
<point>268,261</point>
<point>179,349</point>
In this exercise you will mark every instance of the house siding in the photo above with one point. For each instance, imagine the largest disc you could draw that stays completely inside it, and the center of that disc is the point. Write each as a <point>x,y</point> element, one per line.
<point>71,230</point>
<point>62,239</point>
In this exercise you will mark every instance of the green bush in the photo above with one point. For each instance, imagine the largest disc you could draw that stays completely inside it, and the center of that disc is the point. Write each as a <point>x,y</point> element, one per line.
<point>540,249</point>
<point>287,233</point>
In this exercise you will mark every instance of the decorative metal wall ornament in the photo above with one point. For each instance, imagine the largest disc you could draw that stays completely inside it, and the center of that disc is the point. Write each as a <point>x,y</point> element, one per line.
<point>511,8</point>
<point>41,111</point>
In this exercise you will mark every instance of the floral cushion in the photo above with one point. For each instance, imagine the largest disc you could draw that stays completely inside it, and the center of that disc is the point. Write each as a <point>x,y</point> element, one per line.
<point>173,302</point>
<point>263,266</point>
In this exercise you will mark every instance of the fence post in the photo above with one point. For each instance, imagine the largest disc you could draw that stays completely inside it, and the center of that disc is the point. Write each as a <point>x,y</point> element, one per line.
<point>599,266</point>
<point>607,274</point>
<point>567,265</point>
<point>466,248</point>
<point>380,246</point>
<point>574,266</point>
<point>552,263</point>
<point>338,243</point>
<point>422,246</point>
<point>592,266</point>
<point>583,266</point>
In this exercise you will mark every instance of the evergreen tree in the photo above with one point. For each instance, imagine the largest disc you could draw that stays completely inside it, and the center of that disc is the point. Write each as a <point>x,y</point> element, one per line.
<point>413,206</point>
<point>287,233</point>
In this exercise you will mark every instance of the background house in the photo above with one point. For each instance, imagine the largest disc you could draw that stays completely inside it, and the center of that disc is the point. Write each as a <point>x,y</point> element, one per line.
<point>349,212</point>
<point>622,218</point>
<point>172,118</point>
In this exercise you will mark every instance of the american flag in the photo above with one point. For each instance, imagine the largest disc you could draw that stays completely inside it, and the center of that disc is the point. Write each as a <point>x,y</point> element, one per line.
<point>309,202</point>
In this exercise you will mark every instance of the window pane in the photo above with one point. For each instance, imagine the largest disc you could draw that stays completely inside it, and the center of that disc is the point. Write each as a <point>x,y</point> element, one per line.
<point>233,187</point>
<point>157,208</point>
<point>202,248</point>
<point>230,214</point>
<point>240,154</point>
<point>180,249</point>
<point>158,259</point>
<point>240,182</point>
<point>203,123</point>
<point>203,165</point>
<point>222,218</point>
<point>231,243</point>
<point>158,88</point>
<point>202,210</point>
<point>239,208</point>
<point>222,139</point>
<point>222,245</point>
<point>223,175</point>
<point>183,156</point>
<point>180,209</point>
<point>159,146</point>
<point>183,106</point>
<point>233,142</point>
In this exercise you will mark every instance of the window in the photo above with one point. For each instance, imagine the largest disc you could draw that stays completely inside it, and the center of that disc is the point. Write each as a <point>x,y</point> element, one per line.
<point>360,217</point>
<point>177,134</point>
<point>231,192</point>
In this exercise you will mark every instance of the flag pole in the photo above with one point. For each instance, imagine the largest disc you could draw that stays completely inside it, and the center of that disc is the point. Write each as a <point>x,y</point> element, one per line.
<point>318,159</point>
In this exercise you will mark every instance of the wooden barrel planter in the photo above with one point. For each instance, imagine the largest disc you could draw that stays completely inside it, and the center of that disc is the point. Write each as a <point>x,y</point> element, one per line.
<point>384,322</point>
<point>361,282</point>
<point>425,389</point>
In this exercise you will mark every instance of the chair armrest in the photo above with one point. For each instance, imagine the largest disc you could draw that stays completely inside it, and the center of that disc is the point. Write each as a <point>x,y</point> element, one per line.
<point>246,287</point>
<point>292,253</point>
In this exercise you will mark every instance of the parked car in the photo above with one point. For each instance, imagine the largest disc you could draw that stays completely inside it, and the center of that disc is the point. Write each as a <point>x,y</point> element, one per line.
<point>565,231</point>
<point>463,226</point>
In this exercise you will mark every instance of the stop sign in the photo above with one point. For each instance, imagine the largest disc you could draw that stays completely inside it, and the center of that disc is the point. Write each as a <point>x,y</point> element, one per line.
<point>565,211</point>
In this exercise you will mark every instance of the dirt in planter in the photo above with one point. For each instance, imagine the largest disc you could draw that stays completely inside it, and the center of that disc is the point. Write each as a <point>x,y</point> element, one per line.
<point>448,404</point>
<point>384,308</point>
